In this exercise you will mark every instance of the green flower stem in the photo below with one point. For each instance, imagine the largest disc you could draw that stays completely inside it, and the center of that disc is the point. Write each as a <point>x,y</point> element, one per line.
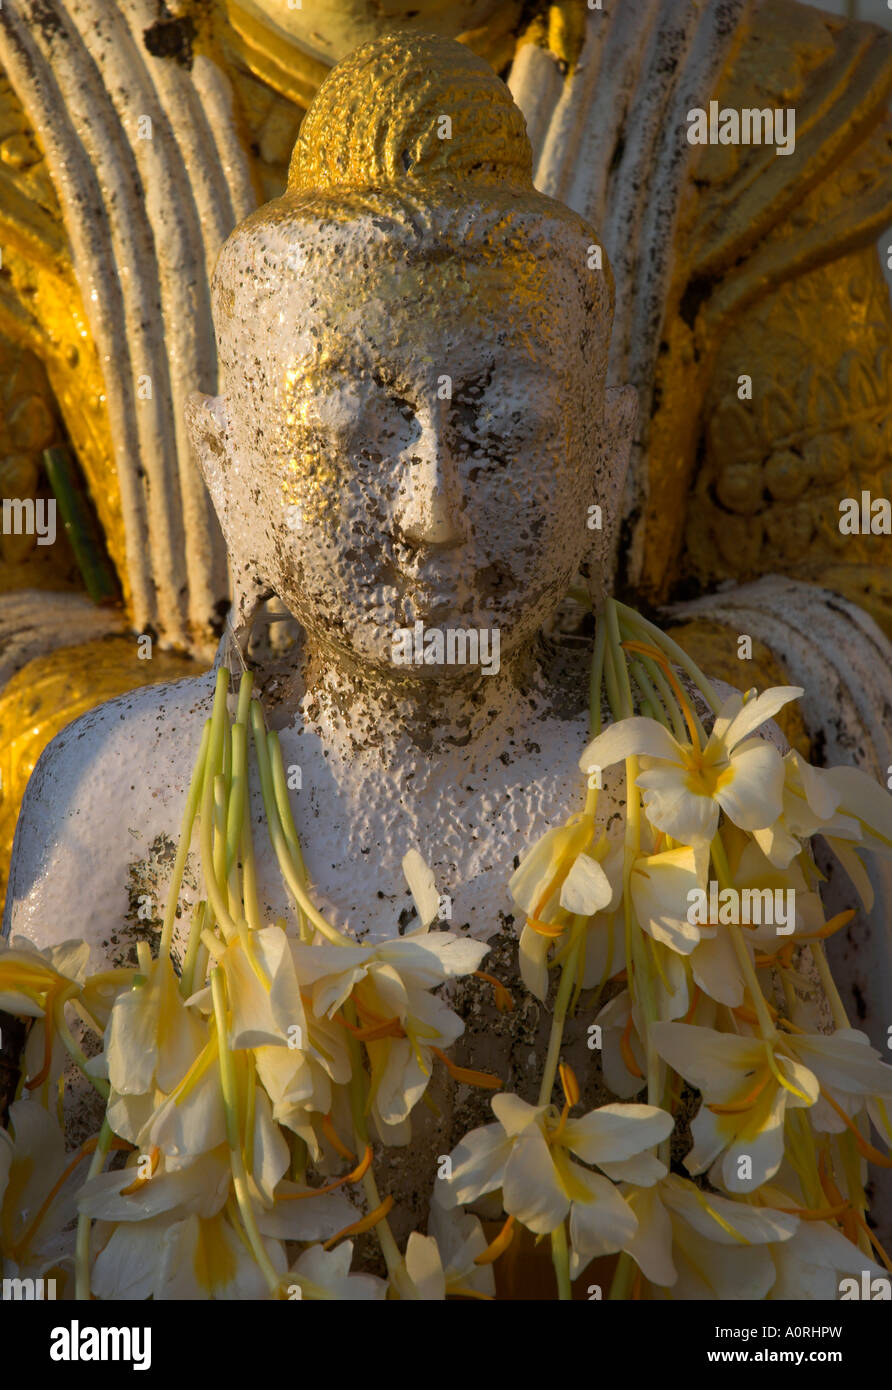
<point>649,704</point>
<point>237,794</point>
<point>851,1159</point>
<point>213,855</point>
<point>358,1091</point>
<point>851,1167</point>
<point>723,874</point>
<point>597,677</point>
<point>179,865</point>
<point>565,989</point>
<point>634,634</point>
<point>202,961</point>
<point>286,820</point>
<point>230,1105</point>
<point>300,1157</point>
<point>560,1256</point>
<point>219,841</point>
<point>249,878</point>
<point>206,830</point>
<point>223,817</point>
<point>195,928</point>
<point>212,944</point>
<point>800,1150</point>
<point>214,762</point>
<point>71,1045</point>
<point>82,1243</point>
<point>667,695</point>
<point>623,1276</point>
<point>611,684</point>
<point>677,654</point>
<point>227,755</point>
<point>243,708</point>
<point>637,960</point>
<point>277,835</point>
<point>641,984</point>
<point>626,709</point>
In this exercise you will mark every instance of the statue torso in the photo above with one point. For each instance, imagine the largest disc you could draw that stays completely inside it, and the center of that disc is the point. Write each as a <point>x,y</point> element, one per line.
<point>99,827</point>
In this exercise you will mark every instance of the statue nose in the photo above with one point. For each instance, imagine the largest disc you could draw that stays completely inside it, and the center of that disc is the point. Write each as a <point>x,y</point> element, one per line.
<point>428,514</point>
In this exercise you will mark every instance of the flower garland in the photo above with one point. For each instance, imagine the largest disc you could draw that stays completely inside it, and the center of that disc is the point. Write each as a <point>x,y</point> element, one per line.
<point>242,1087</point>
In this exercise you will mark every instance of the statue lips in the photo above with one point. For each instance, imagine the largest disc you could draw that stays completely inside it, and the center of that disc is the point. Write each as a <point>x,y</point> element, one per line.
<point>436,584</point>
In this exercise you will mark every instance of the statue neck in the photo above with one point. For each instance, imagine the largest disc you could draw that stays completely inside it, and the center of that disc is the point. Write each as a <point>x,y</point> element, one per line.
<point>398,714</point>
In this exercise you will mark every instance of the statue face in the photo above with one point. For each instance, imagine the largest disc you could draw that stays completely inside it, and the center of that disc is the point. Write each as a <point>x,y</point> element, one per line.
<point>412,442</point>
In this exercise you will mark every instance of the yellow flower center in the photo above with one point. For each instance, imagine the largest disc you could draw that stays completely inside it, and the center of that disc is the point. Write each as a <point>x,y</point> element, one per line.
<point>705,777</point>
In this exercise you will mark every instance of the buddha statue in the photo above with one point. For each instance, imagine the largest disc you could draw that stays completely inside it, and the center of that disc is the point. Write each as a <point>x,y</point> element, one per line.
<point>415,451</point>
<point>130,148</point>
<point>413,435</point>
<point>729,262</point>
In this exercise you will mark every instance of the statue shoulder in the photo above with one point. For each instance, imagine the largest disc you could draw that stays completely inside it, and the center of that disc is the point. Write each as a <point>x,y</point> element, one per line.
<point>100,814</point>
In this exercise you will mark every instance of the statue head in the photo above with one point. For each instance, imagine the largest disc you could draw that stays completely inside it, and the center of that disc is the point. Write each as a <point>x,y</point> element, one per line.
<point>413,423</point>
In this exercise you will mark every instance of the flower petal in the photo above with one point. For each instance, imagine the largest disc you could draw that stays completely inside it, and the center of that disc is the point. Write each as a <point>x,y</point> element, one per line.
<point>478,1166</point>
<point>651,1245</point>
<point>586,888</point>
<point>628,738</point>
<point>531,1189</point>
<point>758,711</point>
<point>616,1132</point>
<point>600,1226</point>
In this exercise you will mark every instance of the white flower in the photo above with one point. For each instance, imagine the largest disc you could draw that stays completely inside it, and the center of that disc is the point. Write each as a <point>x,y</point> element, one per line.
<point>33,1164</point>
<point>846,806</point>
<point>399,1020</point>
<point>837,802</point>
<point>661,885</point>
<point>325,1274</point>
<point>265,1011</point>
<point>685,787</point>
<point>152,1037</point>
<point>850,1073</point>
<point>527,1155</point>
<point>811,1266</point>
<point>300,1081</point>
<point>555,880</point>
<point>193,1258</point>
<point>623,1061</point>
<point>746,1086</point>
<point>603,951</point>
<point>31,979</point>
<point>420,879</point>
<point>443,1262</point>
<point>701,1245</point>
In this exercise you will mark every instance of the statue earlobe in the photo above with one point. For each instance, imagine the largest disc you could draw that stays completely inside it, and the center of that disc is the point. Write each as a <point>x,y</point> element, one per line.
<point>208,423</point>
<point>620,424</point>
<point>206,420</point>
<point>605,515</point>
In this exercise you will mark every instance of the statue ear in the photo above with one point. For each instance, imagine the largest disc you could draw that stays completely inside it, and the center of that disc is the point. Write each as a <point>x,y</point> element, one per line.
<point>206,422</point>
<point>617,435</point>
<point>620,422</point>
<point>208,425</point>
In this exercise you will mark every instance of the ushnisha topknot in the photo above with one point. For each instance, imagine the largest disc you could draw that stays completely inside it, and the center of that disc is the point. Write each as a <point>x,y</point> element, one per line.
<point>408,107</point>
<point>413,151</point>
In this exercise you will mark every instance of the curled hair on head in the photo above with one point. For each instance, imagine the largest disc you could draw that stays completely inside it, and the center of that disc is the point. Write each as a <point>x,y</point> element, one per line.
<point>416,138</point>
<point>410,107</point>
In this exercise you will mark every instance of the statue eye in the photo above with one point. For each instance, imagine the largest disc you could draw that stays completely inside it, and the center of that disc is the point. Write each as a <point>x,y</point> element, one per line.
<point>369,456</point>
